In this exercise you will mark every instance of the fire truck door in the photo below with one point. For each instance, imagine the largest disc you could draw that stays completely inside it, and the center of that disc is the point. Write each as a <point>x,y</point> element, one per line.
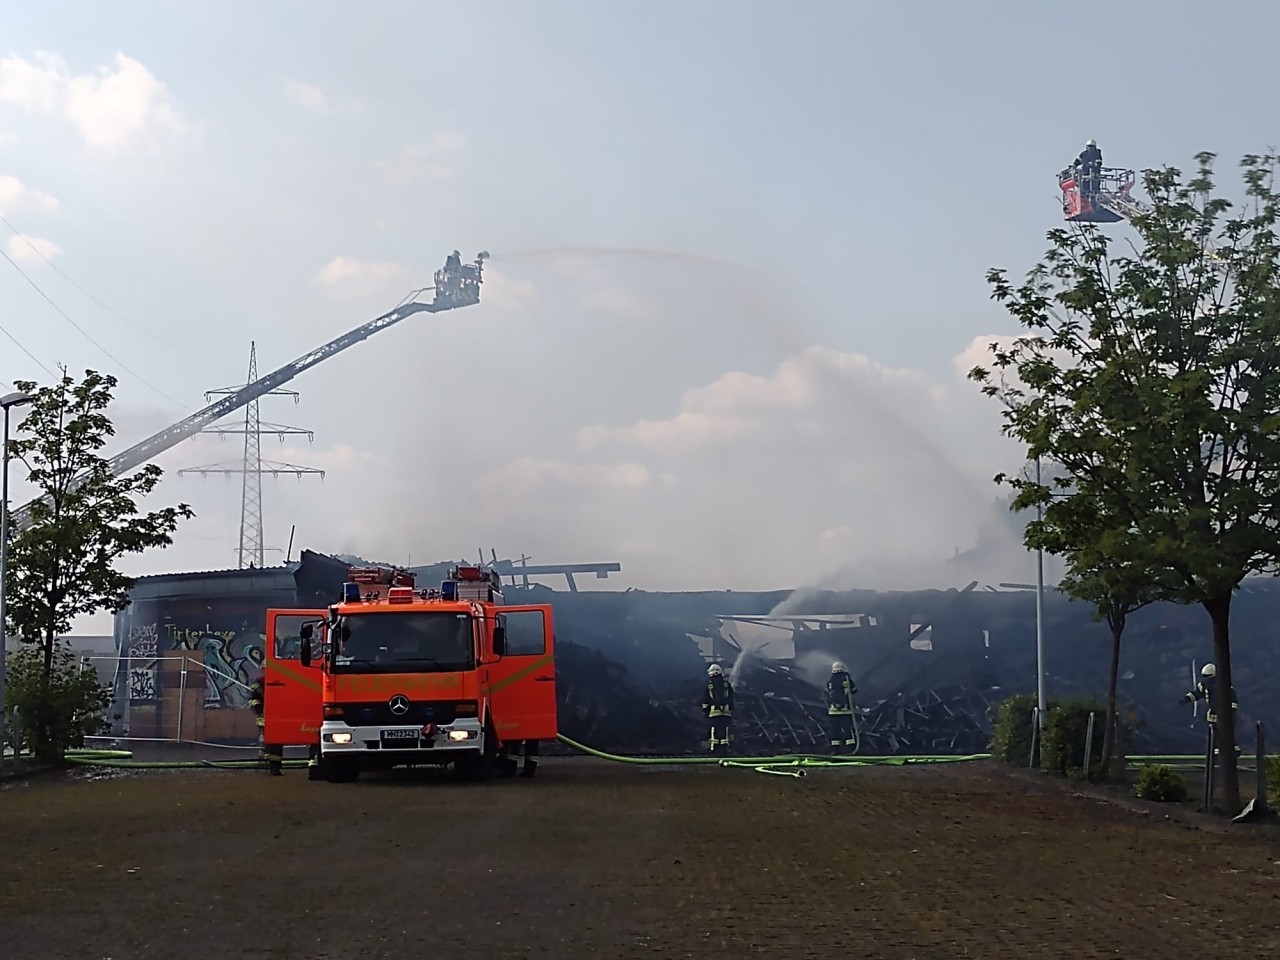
<point>522,684</point>
<point>293,692</point>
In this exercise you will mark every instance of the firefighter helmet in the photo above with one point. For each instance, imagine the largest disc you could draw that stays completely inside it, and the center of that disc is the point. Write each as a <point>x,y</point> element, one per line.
<point>714,670</point>
<point>1208,670</point>
<point>1091,143</point>
<point>837,667</point>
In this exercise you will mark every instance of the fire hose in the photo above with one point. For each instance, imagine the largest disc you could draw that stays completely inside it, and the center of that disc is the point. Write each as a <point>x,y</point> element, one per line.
<point>789,765</point>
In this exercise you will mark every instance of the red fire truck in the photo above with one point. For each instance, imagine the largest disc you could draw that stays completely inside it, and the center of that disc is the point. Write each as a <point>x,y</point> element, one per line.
<point>394,676</point>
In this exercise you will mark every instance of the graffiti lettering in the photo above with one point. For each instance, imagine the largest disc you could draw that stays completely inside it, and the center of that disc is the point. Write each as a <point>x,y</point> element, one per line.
<point>190,637</point>
<point>142,642</point>
<point>142,685</point>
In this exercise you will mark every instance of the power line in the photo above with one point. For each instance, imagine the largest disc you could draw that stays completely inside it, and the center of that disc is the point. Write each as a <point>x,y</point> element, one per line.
<point>66,316</point>
<point>125,320</point>
<point>27,352</point>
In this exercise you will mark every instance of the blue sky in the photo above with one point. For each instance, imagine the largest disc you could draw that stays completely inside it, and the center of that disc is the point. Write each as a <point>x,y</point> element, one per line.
<point>854,167</point>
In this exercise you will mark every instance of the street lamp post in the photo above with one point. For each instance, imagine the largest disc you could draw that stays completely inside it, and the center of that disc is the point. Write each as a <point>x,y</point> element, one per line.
<point>16,399</point>
<point>1040,615</point>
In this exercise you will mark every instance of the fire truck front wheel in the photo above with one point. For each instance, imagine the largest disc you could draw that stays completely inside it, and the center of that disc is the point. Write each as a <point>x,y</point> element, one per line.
<point>480,764</point>
<point>340,769</point>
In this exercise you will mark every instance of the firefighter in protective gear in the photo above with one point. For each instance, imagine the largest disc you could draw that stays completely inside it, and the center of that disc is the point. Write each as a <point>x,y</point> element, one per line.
<point>717,706</point>
<point>1204,690</point>
<point>274,755</point>
<point>1089,164</point>
<point>840,691</point>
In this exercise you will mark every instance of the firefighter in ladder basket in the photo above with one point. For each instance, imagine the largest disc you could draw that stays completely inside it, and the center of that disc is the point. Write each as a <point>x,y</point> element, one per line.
<point>717,706</point>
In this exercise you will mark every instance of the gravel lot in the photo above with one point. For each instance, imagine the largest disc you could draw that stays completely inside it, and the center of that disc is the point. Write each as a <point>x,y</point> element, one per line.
<point>597,858</point>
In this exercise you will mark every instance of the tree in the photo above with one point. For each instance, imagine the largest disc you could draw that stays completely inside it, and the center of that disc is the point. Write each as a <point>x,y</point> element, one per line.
<point>63,565</point>
<point>1107,567</point>
<point>1153,378</point>
<point>75,696</point>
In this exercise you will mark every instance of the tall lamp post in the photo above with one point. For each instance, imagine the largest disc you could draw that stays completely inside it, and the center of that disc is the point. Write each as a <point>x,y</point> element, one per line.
<point>1040,615</point>
<point>15,399</point>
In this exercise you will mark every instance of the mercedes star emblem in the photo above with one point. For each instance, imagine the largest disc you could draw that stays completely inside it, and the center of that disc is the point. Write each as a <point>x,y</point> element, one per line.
<point>399,704</point>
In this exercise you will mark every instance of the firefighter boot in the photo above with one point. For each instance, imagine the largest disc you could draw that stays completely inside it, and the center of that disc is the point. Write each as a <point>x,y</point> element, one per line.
<point>530,759</point>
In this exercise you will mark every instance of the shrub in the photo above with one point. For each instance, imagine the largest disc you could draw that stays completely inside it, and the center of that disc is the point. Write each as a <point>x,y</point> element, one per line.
<point>1273,780</point>
<point>1161,784</point>
<point>1065,732</point>
<point>72,709</point>
<point>1011,731</point>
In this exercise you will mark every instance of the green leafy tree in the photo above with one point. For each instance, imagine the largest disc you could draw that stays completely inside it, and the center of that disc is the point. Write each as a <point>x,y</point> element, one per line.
<point>71,697</point>
<point>63,565</point>
<point>1152,377</point>
<point>1108,568</point>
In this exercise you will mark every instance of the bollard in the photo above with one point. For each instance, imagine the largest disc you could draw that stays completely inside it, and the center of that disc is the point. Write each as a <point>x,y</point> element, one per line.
<point>1088,745</point>
<point>1035,736</point>
<point>1210,739</point>
<point>1260,805</point>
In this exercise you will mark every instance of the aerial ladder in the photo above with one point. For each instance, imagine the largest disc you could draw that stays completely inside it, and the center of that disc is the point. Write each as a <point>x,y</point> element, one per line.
<point>1111,202</point>
<point>457,284</point>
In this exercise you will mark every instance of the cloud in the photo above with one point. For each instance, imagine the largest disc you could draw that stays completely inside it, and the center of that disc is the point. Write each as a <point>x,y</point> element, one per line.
<point>21,249</point>
<point>112,108</point>
<point>17,197</point>
<point>350,272</point>
<point>310,97</point>
<point>431,160</point>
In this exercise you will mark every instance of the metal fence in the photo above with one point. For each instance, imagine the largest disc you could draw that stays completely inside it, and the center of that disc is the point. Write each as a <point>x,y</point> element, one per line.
<point>178,697</point>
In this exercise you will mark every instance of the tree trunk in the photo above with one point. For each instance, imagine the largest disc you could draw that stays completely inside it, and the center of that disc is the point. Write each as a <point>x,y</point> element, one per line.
<point>43,712</point>
<point>1219,610</point>
<point>1109,737</point>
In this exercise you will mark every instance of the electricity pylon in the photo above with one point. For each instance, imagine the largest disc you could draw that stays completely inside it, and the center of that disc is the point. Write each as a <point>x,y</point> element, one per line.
<point>253,466</point>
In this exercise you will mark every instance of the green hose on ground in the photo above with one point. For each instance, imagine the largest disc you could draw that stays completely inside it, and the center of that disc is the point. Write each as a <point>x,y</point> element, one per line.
<point>787,765</point>
<point>123,759</point>
<point>774,765</point>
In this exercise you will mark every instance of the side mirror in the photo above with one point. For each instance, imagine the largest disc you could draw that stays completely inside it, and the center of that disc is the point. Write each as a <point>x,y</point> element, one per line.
<point>304,651</point>
<point>308,629</point>
<point>500,641</point>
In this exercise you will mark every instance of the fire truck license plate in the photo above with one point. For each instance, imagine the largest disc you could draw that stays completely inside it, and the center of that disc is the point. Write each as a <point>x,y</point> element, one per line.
<point>399,734</point>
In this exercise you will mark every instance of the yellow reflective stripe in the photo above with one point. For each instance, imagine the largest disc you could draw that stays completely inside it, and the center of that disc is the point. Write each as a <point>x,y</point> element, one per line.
<point>520,674</point>
<point>311,683</point>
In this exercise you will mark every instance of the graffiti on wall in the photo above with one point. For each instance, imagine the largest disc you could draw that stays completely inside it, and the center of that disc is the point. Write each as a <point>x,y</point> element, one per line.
<point>142,651</point>
<point>232,661</point>
<point>142,685</point>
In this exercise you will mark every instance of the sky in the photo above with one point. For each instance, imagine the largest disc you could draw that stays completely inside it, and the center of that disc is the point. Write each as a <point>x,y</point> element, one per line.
<point>738,258</point>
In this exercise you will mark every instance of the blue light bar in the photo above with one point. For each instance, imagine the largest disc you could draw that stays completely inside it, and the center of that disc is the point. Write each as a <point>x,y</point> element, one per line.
<point>448,590</point>
<point>351,593</point>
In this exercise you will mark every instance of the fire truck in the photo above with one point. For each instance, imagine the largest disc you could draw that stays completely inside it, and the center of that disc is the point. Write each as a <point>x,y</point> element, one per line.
<point>396,676</point>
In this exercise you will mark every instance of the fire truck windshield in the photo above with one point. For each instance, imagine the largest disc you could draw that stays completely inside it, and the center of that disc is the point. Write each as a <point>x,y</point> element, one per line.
<point>405,643</point>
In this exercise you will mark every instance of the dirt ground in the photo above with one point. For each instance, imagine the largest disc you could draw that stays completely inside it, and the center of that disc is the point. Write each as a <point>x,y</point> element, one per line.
<point>596,858</point>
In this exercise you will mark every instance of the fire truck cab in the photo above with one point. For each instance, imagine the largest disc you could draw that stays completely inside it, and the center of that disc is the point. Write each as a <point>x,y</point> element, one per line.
<point>395,676</point>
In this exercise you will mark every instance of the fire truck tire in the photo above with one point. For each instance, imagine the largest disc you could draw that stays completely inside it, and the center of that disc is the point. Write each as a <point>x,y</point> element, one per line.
<point>340,769</point>
<point>480,765</point>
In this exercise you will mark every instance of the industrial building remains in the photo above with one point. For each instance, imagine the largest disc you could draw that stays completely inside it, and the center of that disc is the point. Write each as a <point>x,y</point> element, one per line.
<point>929,665</point>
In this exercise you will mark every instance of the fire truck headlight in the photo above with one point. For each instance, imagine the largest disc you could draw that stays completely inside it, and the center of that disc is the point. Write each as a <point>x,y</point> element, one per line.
<point>461,734</point>
<point>342,737</point>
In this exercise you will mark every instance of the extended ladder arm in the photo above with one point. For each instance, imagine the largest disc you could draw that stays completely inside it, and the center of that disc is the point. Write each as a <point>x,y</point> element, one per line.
<point>451,291</point>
